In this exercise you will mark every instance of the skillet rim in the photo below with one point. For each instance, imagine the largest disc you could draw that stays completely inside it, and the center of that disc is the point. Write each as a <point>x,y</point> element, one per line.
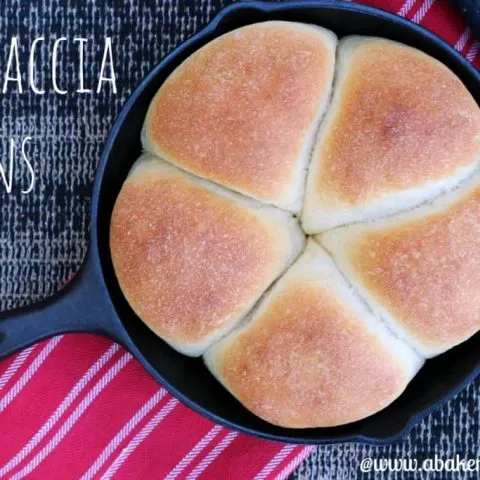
<point>123,337</point>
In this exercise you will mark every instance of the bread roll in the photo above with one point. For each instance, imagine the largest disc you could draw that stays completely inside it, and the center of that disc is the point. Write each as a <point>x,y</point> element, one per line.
<point>192,258</point>
<point>242,111</point>
<point>312,354</point>
<point>401,129</point>
<point>420,270</point>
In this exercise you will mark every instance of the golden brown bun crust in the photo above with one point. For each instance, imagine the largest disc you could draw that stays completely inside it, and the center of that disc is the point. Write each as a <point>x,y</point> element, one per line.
<point>404,119</point>
<point>189,260</point>
<point>238,110</point>
<point>427,272</point>
<point>306,363</point>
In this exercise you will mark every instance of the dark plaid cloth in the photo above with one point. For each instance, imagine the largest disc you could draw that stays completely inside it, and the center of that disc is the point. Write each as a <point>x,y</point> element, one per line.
<point>471,10</point>
<point>43,236</point>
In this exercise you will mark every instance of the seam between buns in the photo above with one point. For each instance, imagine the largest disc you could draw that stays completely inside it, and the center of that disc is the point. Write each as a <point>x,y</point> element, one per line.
<point>220,189</point>
<point>442,192</point>
<point>260,203</point>
<point>247,318</point>
<point>315,137</point>
<point>355,291</point>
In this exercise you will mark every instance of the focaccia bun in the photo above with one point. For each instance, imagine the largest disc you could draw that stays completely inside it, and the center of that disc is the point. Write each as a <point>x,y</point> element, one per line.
<point>192,258</point>
<point>401,129</point>
<point>312,354</point>
<point>243,110</point>
<point>420,270</point>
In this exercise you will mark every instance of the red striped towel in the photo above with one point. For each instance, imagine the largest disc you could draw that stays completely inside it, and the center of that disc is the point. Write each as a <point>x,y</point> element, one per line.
<point>79,406</point>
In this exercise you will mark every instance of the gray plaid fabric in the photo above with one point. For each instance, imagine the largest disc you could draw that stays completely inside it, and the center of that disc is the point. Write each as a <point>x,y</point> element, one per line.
<point>43,236</point>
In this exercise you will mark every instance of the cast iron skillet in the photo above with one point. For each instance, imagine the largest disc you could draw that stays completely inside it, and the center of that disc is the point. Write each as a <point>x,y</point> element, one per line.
<point>93,302</point>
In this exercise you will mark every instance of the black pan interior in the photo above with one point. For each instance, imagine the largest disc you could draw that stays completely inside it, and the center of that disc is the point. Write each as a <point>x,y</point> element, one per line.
<point>188,378</point>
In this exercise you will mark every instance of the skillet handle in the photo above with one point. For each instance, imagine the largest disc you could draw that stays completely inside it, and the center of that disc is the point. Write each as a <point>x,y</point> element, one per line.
<point>82,305</point>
